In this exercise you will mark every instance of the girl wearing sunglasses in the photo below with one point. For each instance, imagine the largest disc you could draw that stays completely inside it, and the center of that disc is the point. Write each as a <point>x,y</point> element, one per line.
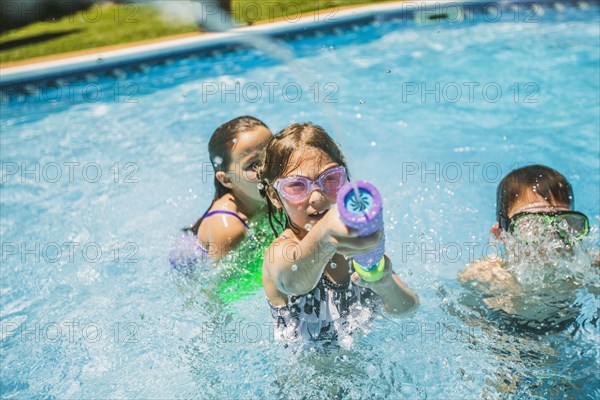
<point>535,223</point>
<point>306,272</point>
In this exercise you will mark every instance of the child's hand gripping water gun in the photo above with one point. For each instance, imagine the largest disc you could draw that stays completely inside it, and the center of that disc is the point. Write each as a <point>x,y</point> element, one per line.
<point>359,205</point>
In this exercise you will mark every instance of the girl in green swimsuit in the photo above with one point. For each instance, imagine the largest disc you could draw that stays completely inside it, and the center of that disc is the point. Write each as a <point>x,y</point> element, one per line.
<point>231,226</point>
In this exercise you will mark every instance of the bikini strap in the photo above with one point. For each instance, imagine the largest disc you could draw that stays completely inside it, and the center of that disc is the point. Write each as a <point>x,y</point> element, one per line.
<point>208,214</point>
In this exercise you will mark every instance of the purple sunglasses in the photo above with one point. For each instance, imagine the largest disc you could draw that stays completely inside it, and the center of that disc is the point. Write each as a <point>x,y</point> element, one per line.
<point>297,187</point>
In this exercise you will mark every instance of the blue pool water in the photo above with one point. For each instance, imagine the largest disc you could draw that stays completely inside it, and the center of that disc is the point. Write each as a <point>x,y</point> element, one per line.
<point>94,192</point>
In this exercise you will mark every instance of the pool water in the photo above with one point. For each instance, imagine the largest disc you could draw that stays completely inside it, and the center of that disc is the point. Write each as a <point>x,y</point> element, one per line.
<point>96,185</point>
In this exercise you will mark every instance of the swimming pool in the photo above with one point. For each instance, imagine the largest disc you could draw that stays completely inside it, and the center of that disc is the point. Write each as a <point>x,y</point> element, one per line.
<point>95,186</point>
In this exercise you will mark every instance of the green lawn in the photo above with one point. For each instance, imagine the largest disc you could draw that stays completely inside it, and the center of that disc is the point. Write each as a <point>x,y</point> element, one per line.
<point>110,24</point>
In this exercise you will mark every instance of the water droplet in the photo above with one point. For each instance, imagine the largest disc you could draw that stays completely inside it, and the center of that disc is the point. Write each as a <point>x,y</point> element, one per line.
<point>362,102</point>
<point>333,265</point>
<point>373,143</point>
<point>218,161</point>
<point>358,116</point>
<point>309,296</point>
<point>260,186</point>
<point>294,267</point>
<point>389,71</point>
<point>308,227</point>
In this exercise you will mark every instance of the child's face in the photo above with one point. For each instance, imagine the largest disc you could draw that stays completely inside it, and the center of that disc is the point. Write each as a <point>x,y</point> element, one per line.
<point>529,201</point>
<point>310,209</point>
<point>245,156</point>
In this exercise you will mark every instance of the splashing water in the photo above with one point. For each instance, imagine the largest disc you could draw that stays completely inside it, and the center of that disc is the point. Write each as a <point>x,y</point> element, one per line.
<point>534,285</point>
<point>223,353</point>
<point>549,262</point>
<point>208,14</point>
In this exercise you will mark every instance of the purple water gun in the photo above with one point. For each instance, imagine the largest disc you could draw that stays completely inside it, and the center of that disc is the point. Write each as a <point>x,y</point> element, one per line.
<point>359,205</point>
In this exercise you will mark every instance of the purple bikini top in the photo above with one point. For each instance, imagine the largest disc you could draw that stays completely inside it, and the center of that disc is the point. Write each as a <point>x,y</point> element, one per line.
<point>208,214</point>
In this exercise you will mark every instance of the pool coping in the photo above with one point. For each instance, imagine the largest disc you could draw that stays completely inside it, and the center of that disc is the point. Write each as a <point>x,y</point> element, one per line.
<point>82,64</point>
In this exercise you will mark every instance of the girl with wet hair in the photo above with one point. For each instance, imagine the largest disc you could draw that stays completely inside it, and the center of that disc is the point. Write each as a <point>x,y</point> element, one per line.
<point>235,150</point>
<point>307,271</point>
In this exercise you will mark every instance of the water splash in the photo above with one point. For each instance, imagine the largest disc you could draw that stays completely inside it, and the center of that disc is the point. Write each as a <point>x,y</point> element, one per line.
<point>549,262</point>
<point>209,16</point>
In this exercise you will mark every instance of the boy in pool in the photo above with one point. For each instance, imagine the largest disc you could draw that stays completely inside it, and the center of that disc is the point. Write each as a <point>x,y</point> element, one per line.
<point>235,150</point>
<point>307,269</point>
<point>535,223</point>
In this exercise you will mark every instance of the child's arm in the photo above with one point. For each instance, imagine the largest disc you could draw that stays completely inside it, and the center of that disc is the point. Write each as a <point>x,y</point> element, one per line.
<point>296,267</point>
<point>397,297</point>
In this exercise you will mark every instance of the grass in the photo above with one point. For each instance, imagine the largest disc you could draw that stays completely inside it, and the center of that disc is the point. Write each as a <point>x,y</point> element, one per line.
<point>110,24</point>
<point>251,11</point>
<point>107,24</point>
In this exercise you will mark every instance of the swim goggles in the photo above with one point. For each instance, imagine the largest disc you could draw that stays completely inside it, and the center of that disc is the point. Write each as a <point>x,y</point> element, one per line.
<point>295,188</point>
<point>533,226</point>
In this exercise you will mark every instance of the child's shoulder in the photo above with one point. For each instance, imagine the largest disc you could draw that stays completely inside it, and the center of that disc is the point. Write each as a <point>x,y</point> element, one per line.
<point>222,226</point>
<point>485,269</point>
<point>281,248</point>
<point>287,236</point>
<point>226,211</point>
<point>490,271</point>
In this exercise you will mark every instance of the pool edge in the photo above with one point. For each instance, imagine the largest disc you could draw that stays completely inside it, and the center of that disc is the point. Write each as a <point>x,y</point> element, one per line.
<point>82,64</point>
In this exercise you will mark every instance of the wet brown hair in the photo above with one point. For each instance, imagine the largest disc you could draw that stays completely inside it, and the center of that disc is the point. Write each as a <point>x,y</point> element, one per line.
<point>219,151</point>
<point>545,181</point>
<point>277,161</point>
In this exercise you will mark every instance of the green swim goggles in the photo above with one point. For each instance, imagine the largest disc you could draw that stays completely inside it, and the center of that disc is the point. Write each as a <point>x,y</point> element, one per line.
<point>534,226</point>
